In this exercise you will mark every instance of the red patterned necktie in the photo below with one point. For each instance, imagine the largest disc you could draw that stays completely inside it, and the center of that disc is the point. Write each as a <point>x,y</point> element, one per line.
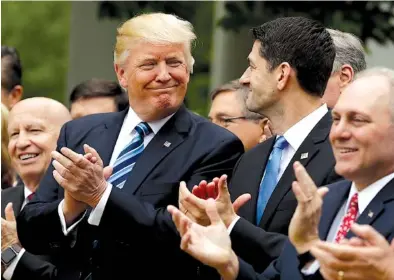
<point>30,196</point>
<point>348,219</point>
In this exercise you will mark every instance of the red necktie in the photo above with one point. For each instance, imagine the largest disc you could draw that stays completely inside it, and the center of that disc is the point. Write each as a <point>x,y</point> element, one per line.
<point>30,196</point>
<point>348,219</point>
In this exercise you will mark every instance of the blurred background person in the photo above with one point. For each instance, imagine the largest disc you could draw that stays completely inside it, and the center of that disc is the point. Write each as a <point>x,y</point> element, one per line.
<point>97,96</point>
<point>228,109</point>
<point>33,135</point>
<point>11,77</point>
<point>7,172</point>
<point>349,60</point>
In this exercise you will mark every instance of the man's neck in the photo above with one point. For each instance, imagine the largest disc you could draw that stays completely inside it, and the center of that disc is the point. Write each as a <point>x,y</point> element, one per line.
<point>293,108</point>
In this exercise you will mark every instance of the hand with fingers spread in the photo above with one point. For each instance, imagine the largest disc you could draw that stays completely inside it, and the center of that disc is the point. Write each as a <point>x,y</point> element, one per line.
<point>209,244</point>
<point>217,189</point>
<point>83,180</point>
<point>303,228</point>
<point>366,257</point>
<point>9,234</point>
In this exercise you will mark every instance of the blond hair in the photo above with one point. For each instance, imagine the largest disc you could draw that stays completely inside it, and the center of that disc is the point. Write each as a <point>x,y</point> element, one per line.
<point>156,28</point>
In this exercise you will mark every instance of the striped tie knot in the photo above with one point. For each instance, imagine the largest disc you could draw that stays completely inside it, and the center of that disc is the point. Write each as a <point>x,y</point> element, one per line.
<point>143,129</point>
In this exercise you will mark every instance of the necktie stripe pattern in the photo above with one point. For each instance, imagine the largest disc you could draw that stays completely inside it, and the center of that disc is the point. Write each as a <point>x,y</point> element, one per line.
<point>128,156</point>
<point>348,219</point>
<point>270,179</point>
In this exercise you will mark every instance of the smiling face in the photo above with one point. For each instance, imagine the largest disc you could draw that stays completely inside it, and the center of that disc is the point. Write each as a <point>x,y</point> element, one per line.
<point>33,137</point>
<point>261,82</point>
<point>362,131</point>
<point>156,78</point>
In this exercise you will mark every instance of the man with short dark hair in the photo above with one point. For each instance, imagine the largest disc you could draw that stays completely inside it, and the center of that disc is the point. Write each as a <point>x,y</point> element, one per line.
<point>11,77</point>
<point>97,96</point>
<point>228,109</point>
<point>286,85</point>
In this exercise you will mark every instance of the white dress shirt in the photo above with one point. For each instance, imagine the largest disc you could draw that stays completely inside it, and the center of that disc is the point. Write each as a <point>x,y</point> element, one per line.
<point>11,268</point>
<point>127,133</point>
<point>295,135</point>
<point>364,198</point>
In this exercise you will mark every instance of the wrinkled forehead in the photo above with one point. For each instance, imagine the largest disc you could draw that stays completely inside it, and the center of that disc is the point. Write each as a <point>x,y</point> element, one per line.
<point>28,118</point>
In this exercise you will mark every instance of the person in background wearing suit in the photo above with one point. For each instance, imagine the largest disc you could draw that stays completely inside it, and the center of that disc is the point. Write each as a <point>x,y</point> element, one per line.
<point>33,128</point>
<point>110,210</point>
<point>228,109</point>
<point>349,60</point>
<point>286,85</point>
<point>97,96</point>
<point>363,145</point>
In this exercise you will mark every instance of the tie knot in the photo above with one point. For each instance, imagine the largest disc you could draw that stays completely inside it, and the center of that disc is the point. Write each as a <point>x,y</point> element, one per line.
<point>280,143</point>
<point>143,129</point>
<point>30,196</point>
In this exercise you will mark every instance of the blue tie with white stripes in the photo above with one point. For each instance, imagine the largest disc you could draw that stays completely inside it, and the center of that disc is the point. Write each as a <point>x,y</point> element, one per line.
<point>128,156</point>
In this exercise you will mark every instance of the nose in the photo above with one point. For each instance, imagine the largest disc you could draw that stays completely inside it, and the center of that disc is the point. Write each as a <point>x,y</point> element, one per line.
<point>164,75</point>
<point>245,78</point>
<point>22,141</point>
<point>340,130</point>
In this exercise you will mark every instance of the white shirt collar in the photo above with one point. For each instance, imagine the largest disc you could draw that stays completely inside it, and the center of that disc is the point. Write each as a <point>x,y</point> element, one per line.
<point>27,192</point>
<point>367,194</point>
<point>296,134</point>
<point>132,120</point>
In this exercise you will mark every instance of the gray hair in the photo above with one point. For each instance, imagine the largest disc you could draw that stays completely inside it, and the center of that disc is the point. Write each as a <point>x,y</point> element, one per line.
<point>241,93</point>
<point>348,50</point>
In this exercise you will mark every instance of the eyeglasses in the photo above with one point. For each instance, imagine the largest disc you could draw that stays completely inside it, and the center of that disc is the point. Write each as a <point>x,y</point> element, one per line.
<point>226,121</point>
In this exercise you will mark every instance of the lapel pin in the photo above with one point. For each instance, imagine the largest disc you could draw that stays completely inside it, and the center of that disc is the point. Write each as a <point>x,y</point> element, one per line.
<point>370,214</point>
<point>167,144</point>
<point>304,155</point>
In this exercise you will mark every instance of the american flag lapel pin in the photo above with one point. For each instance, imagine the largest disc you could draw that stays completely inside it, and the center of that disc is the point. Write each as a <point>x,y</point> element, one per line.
<point>370,214</point>
<point>304,155</point>
<point>167,144</point>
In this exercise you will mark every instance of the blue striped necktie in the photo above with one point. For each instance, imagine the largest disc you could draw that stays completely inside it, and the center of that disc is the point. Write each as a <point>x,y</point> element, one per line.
<point>128,156</point>
<point>270,179</point>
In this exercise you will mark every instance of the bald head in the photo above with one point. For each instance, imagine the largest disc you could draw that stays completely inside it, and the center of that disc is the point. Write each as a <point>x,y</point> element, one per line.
<point>33,126</point>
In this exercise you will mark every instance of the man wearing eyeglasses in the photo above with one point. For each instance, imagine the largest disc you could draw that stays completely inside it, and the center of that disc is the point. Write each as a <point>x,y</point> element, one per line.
<point>228,110</point>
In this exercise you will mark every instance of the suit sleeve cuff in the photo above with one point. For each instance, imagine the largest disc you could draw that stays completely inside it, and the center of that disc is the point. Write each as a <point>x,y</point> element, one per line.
<point>308,264</point>
<point>97,213</point>
<point>66,230</point>
<point>11,268</point>
<point>231,226</point>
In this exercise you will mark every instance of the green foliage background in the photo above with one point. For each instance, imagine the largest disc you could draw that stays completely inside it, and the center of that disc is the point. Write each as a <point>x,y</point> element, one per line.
<point>40,32</point>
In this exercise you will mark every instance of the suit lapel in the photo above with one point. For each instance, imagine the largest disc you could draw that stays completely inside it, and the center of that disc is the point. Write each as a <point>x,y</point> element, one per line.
<point>333,202</point>
<point>376,208</point>
<point>172,132</point>
<point>309,147</point>
<point>104,137</point>
<point>18,199</point>
<point>258,160</point>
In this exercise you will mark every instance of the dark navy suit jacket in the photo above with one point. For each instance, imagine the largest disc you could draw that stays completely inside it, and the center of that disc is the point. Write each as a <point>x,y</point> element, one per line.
<point>136,235</point>
<point>288,265</point>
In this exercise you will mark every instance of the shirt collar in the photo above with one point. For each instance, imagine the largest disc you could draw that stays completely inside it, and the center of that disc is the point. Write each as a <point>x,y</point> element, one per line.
<point>132,120</point>
<point>296,134</point>
<point>367,194</point>
<point>27,192</point>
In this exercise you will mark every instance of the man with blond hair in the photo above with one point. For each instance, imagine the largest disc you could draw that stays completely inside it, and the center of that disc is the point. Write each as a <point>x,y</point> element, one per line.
<point>108,207</point>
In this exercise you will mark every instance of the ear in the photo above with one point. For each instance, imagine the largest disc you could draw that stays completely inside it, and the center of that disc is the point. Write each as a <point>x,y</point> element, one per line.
<point>266,132</point>
<point>346,75</point>
<point>15,95</point>
<point>283,75</point>
<point>121,75</point>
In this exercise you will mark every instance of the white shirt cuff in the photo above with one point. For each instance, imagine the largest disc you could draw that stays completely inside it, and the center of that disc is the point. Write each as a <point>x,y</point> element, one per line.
<point>97,212</point>
<point>231,226</point>
<point>11,268</point>
<point>312,268</point>
<point>66,230</point>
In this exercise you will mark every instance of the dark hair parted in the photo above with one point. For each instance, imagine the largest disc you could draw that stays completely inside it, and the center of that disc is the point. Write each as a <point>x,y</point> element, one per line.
<point>100,88</point>
<point>303,43</point>
<point>11,68</point>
